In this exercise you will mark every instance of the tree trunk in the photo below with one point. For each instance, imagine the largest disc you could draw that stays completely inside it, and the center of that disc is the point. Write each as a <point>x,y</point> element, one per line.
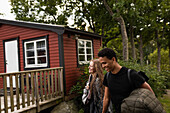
<point>159,51</point>
<point>132,44</point>
<point>169,51</point>
<point>141,50</point>
<point>123,32</point>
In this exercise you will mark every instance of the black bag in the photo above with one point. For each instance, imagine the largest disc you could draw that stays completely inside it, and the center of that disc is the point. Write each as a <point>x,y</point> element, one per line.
<point>141,73</point>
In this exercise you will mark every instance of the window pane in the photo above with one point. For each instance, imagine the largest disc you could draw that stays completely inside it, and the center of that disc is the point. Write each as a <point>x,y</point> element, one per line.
<point>81,43</point>
<point>41,52</point>
<point>89,57</point>
<point>30,53</point>
<point>81,58</point>
<point>30,46</point>
<point>30,61</point>
<point>81,50</point>
<point>41,44</point>
<point>88,44</point>
<point>88,51</point>
<point>41,60</point>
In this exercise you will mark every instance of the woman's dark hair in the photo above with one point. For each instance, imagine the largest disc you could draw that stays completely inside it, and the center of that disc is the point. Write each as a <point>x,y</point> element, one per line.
<point>109,53</point>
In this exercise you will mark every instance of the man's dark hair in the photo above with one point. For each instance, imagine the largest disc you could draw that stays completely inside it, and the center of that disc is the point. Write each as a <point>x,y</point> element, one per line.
<point>109,53</point>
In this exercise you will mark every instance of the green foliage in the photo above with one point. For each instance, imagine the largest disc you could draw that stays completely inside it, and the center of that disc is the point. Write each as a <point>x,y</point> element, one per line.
<point>157,80</point>
<point>78,88</point>
<point>165,100</point>
<point>41,11</point>
<point>153,57</point>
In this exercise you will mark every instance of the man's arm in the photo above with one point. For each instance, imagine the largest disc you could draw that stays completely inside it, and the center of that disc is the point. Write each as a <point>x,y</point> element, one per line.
<point>106,100</point>
<point>147,86</point>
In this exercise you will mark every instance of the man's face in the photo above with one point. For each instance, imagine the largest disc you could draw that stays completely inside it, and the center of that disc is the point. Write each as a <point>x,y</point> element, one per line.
<point>107,64</point>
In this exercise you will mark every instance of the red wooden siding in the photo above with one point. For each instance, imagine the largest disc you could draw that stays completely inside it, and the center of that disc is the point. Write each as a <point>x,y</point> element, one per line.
<point>9,32</point>
<point>70,58</point>
<point>96,46</point>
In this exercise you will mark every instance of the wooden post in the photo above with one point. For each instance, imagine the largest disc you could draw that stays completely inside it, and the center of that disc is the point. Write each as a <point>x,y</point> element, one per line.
<point>28,89</point>
<point>41,86</point>
<point>56,83</point>
<point>52,83</point>
<point>0,104</point>
<point>59,84</point>
<point>22,90</point>
<point>45,85</point>
<point>5,94</point>
<point>37,93</point>
<point>49,91</point>
<point>62,87</point>
<point>17,92</point>
<point>11,93</point>
<point>32,87</point>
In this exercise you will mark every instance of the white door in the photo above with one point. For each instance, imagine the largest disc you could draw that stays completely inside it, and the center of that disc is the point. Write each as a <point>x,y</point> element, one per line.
<point>11,56</point>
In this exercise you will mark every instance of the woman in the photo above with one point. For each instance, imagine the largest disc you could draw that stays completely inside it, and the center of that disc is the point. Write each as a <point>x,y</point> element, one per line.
<point>95,87</point>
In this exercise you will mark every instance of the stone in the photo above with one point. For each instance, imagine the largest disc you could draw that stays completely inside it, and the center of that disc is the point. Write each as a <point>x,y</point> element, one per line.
<point>66,107</point>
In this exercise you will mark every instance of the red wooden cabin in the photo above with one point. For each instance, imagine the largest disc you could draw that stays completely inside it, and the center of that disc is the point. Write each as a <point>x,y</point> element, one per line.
<point>28,46</point>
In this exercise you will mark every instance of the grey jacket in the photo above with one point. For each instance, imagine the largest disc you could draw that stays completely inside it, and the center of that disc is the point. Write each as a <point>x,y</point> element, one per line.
<point>141,101</point>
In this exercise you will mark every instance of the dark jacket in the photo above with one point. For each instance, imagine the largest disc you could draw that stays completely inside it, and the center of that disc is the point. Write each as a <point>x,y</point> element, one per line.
<point>141,101</point>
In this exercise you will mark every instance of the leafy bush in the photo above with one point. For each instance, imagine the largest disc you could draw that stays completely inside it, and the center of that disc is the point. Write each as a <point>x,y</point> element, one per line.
<point>78,88</point>
<point>153,57</point>
<point>157,80</point>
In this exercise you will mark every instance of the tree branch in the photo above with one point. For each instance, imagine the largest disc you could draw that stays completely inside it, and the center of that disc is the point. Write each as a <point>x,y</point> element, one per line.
<point>108,8</point>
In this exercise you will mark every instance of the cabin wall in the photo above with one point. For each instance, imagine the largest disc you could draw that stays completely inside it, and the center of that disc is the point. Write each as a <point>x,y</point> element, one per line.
<point>70,57</point>
<point>8,32</point>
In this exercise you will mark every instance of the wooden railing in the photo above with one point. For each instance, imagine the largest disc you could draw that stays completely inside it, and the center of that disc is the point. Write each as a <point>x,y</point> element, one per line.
<point>30,88</point>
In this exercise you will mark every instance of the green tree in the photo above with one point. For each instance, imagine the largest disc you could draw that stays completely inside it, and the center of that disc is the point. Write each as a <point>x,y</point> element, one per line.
<point>43,11</point>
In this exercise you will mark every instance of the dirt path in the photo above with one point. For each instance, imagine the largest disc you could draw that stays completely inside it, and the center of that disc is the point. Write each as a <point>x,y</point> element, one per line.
<point>168,93</point>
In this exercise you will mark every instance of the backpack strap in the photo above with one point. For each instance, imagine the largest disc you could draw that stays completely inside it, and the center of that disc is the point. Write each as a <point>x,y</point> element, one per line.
<point>130,78</point>
<point>107,77</point>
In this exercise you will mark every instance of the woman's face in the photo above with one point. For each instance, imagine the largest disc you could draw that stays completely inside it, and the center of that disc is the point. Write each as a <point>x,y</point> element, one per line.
<point>91,68</point>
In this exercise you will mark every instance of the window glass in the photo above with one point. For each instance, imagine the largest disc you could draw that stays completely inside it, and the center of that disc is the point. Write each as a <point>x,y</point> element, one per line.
<point>81,43</point>
<point>35,53</point>
<point>88,44</point>
<point>85,53</point>
<point>31,60</point>
<point>30,53</point>
<point>30,46</point>
<point>89,57</point>
<point>88,51</point>
<point>82,57</point>
<point>41,52</point>
<point>41,60</point>
<point>41,44</point>
<point>81,51</point>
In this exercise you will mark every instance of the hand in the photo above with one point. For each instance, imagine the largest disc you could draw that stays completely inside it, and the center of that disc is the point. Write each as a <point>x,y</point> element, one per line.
<point>87,87</point>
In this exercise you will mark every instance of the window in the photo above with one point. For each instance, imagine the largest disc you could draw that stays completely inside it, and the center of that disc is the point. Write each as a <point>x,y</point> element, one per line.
<point>35,53</point>
<point>85,53</point>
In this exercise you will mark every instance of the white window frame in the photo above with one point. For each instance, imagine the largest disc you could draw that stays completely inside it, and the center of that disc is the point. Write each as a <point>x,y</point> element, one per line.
<point>85,41</point>
<point>35,54</point>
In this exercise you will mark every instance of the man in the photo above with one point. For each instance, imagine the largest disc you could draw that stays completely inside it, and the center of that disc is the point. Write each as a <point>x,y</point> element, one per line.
<point>117,85</point>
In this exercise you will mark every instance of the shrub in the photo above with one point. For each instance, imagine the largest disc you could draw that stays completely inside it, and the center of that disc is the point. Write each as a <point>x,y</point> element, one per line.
<point>157,80</point>
<point>78,88</point>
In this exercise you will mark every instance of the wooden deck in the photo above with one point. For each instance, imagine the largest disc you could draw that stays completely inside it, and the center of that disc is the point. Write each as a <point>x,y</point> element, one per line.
<point>35,90</point>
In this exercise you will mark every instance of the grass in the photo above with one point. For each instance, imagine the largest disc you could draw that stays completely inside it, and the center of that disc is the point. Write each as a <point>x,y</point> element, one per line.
<point>165,100</point>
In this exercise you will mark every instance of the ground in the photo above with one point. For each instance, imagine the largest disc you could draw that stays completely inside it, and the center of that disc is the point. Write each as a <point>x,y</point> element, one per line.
<point>165,100</point>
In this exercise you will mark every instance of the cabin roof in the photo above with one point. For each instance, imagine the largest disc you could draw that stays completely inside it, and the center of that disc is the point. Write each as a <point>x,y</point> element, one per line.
<point>59,29</point>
